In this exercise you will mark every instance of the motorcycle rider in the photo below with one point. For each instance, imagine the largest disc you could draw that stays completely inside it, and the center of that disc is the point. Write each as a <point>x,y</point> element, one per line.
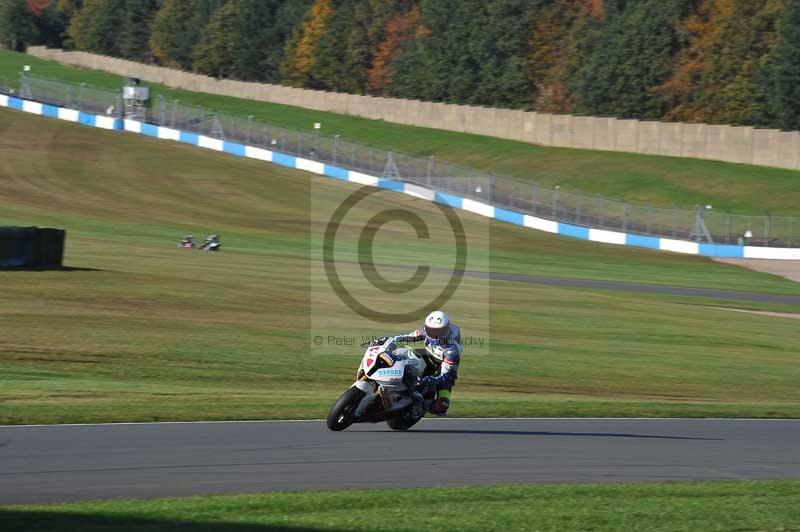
<point>443,348</point>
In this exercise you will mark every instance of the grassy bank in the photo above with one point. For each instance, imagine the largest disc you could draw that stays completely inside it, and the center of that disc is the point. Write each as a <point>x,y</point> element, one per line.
<point>660,181</point>
<point>674,507</point>
<point>142,331</point>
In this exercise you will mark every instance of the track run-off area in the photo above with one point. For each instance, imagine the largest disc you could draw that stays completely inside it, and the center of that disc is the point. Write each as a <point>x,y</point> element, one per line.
<point>41,464</point>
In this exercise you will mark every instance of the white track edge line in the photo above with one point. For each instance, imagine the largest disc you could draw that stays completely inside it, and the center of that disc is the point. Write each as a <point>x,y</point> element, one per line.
<point>134,423</point>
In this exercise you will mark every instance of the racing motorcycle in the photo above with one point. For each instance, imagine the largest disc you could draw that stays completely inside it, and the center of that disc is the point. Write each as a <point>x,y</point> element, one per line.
<point>385,389</point>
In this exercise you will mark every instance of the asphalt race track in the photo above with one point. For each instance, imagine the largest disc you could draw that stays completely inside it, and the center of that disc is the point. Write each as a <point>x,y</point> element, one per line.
<point>40,464</point>
<point>618,286</point>
<point>642,288</point>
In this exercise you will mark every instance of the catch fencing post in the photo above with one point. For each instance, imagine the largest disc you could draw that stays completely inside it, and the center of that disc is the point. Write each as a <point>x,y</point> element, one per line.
<point>650,220</point>
<point>25,85</point>
<point>554,205</point>
<point>513,192</point>
<point>218,130</point>
<point>578,209</point>
<point>298,143</point>
<point>335,149</point>
<point>533,196</point>
<point>173,115</point>
<point>174,111</point>
<point>80,96</point>
<point>625,216</point>
<point>162,111</point>
<point>602,210</point>
<point>674,221</point>
<point>729,226</point>
<point>118,105</point>
<point>767,227</point>
<point>430,171</point>
<point>249,128</point>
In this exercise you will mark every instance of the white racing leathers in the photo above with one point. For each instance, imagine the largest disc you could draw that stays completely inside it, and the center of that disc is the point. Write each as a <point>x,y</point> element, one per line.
<point>445,352</point>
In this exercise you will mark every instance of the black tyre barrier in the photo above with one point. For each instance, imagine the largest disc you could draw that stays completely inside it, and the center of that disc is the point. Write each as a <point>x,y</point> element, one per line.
<point>31,247</point>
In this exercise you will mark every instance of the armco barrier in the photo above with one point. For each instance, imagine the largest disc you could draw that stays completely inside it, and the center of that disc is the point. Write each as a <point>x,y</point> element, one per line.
<point>476,207</point>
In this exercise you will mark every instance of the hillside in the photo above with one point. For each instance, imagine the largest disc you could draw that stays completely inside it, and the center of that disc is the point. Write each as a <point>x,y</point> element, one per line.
<point>642,179</point>
<point>139,330</point>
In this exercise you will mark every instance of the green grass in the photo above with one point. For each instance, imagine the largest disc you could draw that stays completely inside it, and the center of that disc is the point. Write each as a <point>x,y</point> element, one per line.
<point>673,507</point>
<point>659,181</point>
<point>143,331</point>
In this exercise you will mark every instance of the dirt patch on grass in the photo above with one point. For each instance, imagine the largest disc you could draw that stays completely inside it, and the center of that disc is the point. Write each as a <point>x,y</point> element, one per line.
<point>789,269</point>
<point>760,312</point>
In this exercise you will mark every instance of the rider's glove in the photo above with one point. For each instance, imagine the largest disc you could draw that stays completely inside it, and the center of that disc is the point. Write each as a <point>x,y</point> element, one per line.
<point>425,383</point>
<point>379,341</point>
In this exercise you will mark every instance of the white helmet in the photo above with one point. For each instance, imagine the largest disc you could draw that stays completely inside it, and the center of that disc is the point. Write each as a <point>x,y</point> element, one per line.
<point>437,325</point>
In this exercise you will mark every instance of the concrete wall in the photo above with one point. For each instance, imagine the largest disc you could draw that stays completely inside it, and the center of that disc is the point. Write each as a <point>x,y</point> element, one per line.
<point>722,143</point>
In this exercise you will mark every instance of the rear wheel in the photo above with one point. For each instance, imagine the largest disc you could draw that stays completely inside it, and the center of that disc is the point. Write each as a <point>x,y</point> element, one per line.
<point>402,422</point>
<point>341,414</point>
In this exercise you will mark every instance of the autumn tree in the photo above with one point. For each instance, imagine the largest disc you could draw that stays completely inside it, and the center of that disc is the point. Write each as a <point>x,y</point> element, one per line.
<point>468,51</point>
<point>265,29</point>
<point>114,27</point>
<point>343,53</point>
<point>244,39</point>
<point>557,27</point>
<point>177,27</point>
<point>300,49</point>
<point>782,73</point>
<point>398,33</point>
<point>624,57</point>
<point>50,21</point>
<point>137,22</point>
<point>17,25</point>
<point>698,33</point>
<point>213,54</point>
<point>96,25</point>
<point>732,91</point>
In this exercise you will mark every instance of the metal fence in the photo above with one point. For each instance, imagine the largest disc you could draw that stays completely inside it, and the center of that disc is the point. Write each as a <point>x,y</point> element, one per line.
<point>8,85</point>
<point>699,224</point>
<point>79,96</point>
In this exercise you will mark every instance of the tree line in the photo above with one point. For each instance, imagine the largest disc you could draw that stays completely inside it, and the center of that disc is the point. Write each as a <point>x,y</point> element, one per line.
<point>715,61</point>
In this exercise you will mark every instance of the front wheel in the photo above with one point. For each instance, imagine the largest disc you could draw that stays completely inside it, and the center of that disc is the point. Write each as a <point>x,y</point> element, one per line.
<point>341,414</point>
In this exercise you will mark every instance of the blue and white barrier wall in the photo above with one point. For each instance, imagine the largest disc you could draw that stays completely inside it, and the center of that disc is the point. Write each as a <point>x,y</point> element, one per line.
<point>483,209</point>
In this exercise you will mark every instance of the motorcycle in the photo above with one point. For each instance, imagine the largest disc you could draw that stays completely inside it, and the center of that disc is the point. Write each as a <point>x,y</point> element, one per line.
<point>211,243</point>
<point>385,389</point>
<point>187,242</point>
